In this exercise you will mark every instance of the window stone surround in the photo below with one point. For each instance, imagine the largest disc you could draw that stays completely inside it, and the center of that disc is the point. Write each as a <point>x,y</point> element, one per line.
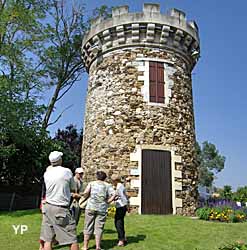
<point>143,69</point>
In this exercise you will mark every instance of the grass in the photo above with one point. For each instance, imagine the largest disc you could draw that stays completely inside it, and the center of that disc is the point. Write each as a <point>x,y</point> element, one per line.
<point>144,232</point>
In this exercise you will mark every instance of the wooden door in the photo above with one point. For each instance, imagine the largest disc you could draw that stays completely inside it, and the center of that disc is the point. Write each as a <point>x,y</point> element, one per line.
<point>156,182</point>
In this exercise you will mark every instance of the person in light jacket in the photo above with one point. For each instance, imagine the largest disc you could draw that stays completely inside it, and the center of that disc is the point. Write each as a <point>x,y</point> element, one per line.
<point>122,206</point>
<point>75,208</point>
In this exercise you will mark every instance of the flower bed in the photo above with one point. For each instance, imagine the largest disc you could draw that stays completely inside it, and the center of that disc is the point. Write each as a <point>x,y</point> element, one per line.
<point>222,214</point>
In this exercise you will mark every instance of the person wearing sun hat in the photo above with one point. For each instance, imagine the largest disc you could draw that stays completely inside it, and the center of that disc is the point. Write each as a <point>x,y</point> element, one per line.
<point>43,201</point>
<point>57,219</point>
<point>75,208</point>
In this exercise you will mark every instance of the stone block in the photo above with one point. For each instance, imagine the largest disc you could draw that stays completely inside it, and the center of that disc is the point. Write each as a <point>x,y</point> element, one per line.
<point>121,40</point>
<point>121,10</point>
<point>135,183</point>
<point>133,156</point>
<point>177,174</point>
<point>177,13</point>
<point>178,202</point>
<point>120,28</point>
<point>177,186</point>
<point>141,78</point>
<point>141,68</point>
<point>151,8</point>
<point>135,171</point>
<point>135,201</point>
<point>193,24</point>
<point>177,158</point>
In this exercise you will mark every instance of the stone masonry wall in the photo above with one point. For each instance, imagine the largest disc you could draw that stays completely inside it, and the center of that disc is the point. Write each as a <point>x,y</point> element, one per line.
<point>117,117</point>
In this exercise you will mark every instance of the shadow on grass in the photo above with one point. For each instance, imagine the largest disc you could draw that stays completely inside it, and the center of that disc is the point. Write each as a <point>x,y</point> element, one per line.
<point>106,231</point>
<point>107,244</point>
<point>109,231</point>
<point>80,238</point>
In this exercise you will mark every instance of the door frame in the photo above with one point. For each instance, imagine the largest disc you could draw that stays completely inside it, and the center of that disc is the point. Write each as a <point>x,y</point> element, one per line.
<point>175,174</point>
<point>163,167</point>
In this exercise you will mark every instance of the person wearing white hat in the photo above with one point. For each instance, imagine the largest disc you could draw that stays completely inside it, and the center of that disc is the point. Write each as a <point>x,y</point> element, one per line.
<point>57,219</point>
<point>75,208</point>
<point>55,157</point>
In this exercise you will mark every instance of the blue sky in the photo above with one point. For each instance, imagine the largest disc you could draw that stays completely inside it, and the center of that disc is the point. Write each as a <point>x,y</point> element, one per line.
<point>219,82</point>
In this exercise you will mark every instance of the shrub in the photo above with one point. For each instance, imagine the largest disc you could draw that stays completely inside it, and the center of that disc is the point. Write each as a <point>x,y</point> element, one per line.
<point>222,214</point>
<point>203,213</point>
<point>241,194</point>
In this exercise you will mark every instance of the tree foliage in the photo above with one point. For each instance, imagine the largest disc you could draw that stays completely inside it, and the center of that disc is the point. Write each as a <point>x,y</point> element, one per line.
<point>61,55</point>
<point>210,162</point>
<point>226,192</point>
<point>241,194</point>
<point>21,33</point>
<point>40,44</point>
<point>20,131</point>
<point>70,141</point>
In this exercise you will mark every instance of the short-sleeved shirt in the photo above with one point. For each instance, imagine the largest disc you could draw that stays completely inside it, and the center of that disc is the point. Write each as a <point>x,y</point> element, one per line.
<point>122,197</point>
<point>59,182</point>
<point>100,191</point>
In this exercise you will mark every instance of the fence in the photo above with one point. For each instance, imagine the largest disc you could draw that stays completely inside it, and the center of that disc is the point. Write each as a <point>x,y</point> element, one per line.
<point>11,200</point>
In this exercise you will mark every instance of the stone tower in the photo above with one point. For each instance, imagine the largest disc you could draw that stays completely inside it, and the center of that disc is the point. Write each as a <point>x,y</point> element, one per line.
<point>139,119</point>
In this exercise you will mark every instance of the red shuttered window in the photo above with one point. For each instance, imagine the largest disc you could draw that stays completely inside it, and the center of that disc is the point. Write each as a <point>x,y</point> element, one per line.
<point>156,82</point>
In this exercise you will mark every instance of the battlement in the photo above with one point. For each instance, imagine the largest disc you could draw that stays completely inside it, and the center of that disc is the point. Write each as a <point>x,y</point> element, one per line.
<point>149,28</point>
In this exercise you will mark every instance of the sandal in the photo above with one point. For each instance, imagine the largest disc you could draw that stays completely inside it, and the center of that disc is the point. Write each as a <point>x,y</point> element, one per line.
<point>120,244</point>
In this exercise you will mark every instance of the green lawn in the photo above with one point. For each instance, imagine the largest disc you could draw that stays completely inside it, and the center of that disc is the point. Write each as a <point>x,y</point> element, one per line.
<point>143,232</point>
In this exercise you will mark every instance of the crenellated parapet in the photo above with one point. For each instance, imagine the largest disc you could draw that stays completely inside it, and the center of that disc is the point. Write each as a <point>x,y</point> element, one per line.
<point>149,29</point>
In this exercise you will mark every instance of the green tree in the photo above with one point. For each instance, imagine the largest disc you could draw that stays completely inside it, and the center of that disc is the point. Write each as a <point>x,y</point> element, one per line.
<point>21,136</point>
<point>103,12</point>
<point>21,34</point>
<point>39,50</point>
<point>226,192</point>
<point>62,56</point>
<point>40,44</point>
<point>70,141</point>
<point>210,162</point>
<point>240,194</point>
<point>20,29</point>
